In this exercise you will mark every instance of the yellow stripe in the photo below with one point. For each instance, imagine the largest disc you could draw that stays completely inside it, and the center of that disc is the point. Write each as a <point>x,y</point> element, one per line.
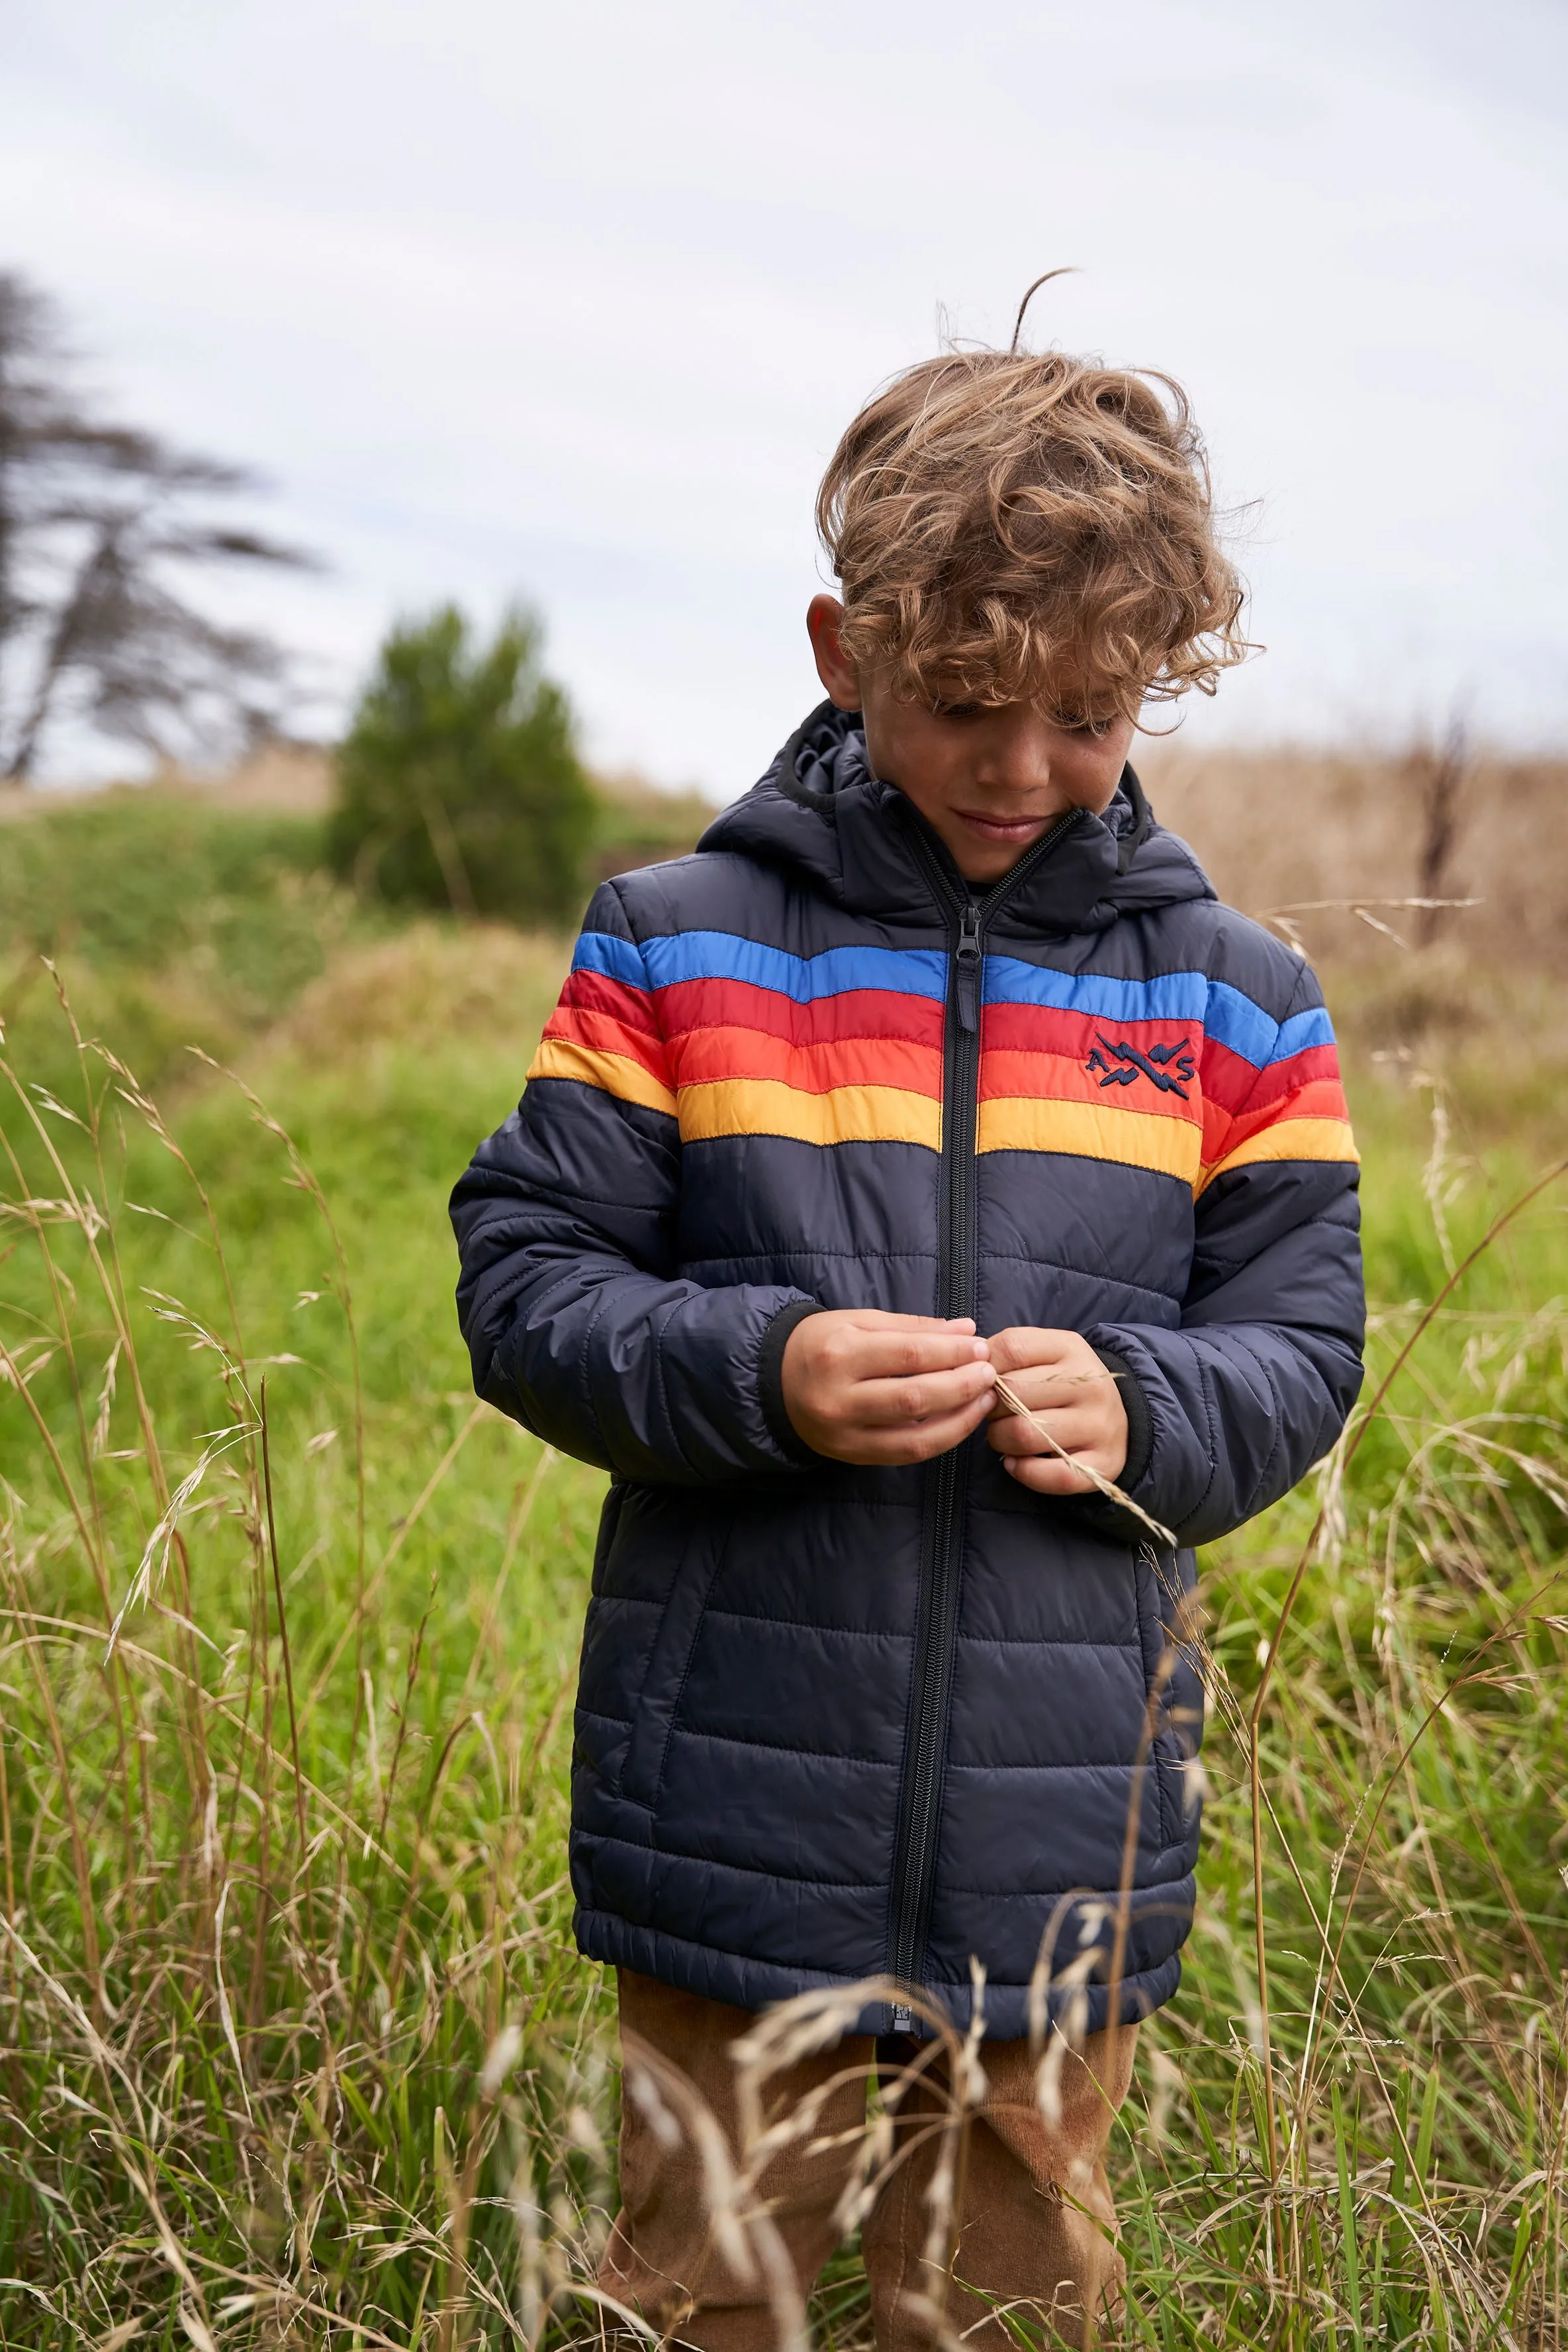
<point>613,1074</point>
<point>1090,1131</point>
<point>842,1115</point>
<point>1290,1139</point>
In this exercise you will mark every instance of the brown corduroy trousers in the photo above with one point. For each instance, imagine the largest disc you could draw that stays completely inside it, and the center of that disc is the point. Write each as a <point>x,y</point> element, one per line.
<point>1033,2222</point>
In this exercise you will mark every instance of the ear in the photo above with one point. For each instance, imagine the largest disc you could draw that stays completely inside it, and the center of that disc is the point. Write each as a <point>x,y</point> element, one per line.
<point>824,619</point>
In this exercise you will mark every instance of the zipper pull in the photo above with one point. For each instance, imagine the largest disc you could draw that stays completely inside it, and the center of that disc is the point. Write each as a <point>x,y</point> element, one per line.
<point>969,968</point>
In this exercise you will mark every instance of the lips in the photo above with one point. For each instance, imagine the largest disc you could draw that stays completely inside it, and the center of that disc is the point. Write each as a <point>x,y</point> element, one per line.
<point>995,828</point>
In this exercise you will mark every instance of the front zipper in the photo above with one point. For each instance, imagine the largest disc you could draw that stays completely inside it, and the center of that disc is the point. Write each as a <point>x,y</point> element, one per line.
<point>946,1478</point>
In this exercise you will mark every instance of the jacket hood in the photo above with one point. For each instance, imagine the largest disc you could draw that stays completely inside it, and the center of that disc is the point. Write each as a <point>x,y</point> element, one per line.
<point>820,809</point>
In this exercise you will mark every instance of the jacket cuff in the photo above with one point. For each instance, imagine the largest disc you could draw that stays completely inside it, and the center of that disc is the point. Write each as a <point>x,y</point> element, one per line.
<point>771,1380</point>
<point>1140,1420</point>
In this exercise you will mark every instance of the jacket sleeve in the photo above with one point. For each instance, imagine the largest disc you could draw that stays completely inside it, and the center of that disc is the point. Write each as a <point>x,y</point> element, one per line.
<point>1227,1412</point>
<point>566,1224</point>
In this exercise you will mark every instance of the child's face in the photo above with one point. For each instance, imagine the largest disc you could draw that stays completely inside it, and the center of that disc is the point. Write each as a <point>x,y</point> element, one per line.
<point>989,782</point>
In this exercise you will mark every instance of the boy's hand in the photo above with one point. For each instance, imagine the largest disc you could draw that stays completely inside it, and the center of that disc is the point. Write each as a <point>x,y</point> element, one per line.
<point>864,1387</point>
<point>1058,1375</point>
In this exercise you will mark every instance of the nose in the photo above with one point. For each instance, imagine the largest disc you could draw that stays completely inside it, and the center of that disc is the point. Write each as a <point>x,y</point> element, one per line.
<point>1015,755</point>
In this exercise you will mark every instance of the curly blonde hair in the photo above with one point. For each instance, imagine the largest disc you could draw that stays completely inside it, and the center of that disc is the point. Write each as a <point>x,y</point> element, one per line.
<point>1013,526</point>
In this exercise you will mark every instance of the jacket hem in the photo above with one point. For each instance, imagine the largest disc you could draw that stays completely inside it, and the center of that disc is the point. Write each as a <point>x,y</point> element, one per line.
<point>743,1982</point>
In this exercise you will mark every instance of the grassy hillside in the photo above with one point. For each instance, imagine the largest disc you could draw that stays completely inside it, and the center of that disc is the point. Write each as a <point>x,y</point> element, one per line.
<point>180,922</point>
<point>293,2044</point>
<point>195,915</point>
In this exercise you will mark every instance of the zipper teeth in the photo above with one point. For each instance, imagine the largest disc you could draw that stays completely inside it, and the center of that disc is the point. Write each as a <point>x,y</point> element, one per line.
<point>937,1623</point>
<point>952,888</point>
<point>1030,858</point>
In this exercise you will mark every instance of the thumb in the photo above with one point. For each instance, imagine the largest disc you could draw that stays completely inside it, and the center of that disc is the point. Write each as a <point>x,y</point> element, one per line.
<point>1027,1348</point>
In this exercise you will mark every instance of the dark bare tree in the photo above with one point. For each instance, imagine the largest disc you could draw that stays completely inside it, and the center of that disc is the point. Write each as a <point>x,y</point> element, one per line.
<point>1438,771</point>
<point>103,529</point>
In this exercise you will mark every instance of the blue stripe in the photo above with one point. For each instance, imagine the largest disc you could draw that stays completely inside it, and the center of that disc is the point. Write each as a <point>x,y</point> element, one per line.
<point>1233,1020</point>
<point>1313,1027</point>
<point>1229,1017</point>
<point>719,955</point>
<point>1224,1012</point>
<point>1174,996</point>
<point>601,952</point>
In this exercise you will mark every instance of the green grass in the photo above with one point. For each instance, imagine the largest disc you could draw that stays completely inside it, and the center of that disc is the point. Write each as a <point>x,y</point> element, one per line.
<point>142,877</point>
<point>285,1872</point>
<point>181,923</point>
<point>184,922</point>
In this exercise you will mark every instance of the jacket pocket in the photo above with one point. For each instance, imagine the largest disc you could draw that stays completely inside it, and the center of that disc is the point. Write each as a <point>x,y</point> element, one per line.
<point>1156,1588</point>
<point>675,1644</point>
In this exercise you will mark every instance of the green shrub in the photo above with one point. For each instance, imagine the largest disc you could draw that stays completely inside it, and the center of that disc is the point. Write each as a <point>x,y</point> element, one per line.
<point>459,785</point>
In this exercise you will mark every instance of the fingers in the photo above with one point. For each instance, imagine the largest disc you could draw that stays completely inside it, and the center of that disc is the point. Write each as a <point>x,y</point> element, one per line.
<point>1074,1408</point>
<point>874,1388</point>
<point>863,1385</point>
<point>897,1355</point>
<point>1078,1430</point>
<point>1027,1346</point>
<point>1047,1473</point>
<point>1058,1389</point>
<point>935,1395</point>
<point>1028,1457</point>
<point>889,1448</point>
<point>877,1319</point>
<point>896,1348</point>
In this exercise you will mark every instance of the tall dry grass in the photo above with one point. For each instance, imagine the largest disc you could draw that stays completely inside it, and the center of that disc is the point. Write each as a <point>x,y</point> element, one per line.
<point>295,2048</point>
<point>1322,834</point>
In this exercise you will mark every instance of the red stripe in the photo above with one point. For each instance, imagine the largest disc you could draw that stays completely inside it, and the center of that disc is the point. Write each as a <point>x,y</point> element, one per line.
<point>595,992</point>
<point>706,1055</point>
<point>1043,1051</point>
<point>1225,1077</point>
<point>720,1029</point>
<point>1224,1131</point>
<point>1231,1082</point>
<point>690,1005</point>
<point>1051,1029</point>
<point>604,1034</point>
<point>1053,1078</point>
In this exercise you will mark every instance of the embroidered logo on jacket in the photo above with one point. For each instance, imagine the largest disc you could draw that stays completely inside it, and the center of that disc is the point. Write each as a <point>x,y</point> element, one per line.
<point>1122,1064</point>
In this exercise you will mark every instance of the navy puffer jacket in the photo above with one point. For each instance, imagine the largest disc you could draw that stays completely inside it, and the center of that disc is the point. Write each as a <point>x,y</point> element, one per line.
<point>833,1722</point>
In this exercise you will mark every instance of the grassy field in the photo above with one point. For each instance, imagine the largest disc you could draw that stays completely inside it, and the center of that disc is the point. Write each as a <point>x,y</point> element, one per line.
<point>294,2048</point>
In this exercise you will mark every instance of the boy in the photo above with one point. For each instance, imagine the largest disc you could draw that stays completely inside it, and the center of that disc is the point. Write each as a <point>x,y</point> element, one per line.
<point>938,1062</point>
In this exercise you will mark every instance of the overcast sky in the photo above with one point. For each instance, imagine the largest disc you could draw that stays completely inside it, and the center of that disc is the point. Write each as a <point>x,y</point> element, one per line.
<point>572,302</point>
